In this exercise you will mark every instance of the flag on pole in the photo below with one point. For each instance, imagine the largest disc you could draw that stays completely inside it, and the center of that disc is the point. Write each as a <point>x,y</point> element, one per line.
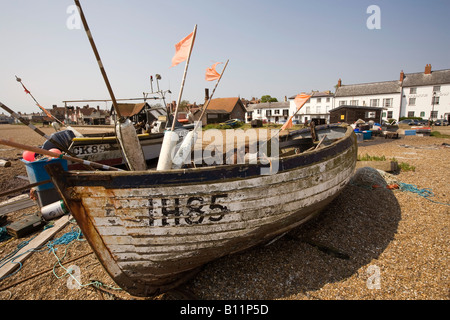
<point>182,49</point>
<point>299,101</point>
<point>211,73</point>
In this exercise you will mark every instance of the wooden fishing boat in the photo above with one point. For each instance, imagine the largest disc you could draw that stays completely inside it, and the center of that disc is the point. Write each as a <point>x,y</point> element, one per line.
<point>153,230</point>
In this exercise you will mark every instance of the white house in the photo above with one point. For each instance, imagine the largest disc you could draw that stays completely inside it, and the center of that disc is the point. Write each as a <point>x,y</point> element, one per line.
<point>422,94</point>
<point>318,106</point>
<point>426,94</point>
<point>273,112</point>
<point>386,94</point>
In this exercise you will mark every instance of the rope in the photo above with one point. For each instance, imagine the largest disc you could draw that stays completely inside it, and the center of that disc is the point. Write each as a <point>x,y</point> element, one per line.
<point>426,193</point>
<point>68,239</point>
<point>370,178</point>
<point>4,234</point>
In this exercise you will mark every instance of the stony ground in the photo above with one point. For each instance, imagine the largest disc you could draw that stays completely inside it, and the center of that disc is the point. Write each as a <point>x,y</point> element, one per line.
<point>370,243</point>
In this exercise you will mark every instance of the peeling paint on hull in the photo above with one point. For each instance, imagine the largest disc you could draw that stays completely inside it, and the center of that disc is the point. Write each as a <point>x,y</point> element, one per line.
<point>151,237</point>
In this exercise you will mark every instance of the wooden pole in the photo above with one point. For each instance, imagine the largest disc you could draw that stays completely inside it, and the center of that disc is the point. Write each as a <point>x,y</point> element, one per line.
<point>184,78</point>
<point>38,131</point>
<point>37,103</point>
<point>57,155</point>
<point>125,132</point>
<point>97,56</point>
<point>212,94</point>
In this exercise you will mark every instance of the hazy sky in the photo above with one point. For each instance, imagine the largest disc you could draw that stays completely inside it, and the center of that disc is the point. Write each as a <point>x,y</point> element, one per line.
<point>280,48</point>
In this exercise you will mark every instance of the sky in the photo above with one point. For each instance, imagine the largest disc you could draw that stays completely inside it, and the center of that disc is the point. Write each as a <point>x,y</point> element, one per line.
<point>278,48</point>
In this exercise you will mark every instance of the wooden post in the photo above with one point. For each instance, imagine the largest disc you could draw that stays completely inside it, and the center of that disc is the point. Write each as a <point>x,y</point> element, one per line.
<point>184,78</point>
<point>131,148</point>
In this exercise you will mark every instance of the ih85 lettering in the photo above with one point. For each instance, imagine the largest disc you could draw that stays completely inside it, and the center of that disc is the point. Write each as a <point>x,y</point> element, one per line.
<point>195,210</point>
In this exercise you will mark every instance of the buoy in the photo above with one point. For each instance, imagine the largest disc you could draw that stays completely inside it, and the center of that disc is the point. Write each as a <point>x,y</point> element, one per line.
<point>29,155</point>
<point>167,150</point>
<point>131,147</point>
<point>55,151</point>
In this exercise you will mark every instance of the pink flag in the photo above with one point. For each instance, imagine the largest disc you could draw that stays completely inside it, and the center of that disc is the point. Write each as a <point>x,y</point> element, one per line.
<point>211,73</point>
<point>182,49</point>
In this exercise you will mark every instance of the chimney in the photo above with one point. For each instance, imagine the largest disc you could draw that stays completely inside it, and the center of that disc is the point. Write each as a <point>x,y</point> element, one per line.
<point>339,83</point>
<point>206,94</point>
<point>428,69</point>
<point>285,98</point>
<point>402,76</point>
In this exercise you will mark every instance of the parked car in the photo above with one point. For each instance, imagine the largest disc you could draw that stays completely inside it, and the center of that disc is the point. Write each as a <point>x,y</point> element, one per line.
<point>441,122</point>
<point>422,122</point>
<point>410,122</point>
<point>232,123</point>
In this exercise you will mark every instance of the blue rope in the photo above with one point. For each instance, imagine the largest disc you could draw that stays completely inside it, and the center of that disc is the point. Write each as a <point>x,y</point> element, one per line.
<point>64,239</point>
<point>426,193</point>
<point>4,234</point>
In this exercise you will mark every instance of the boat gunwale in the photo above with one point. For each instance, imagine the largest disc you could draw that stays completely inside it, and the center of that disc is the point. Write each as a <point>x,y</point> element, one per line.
<point>86,177</point>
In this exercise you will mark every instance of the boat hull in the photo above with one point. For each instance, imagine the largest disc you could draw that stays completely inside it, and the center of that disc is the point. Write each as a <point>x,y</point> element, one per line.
<point>106,150</point>
<point>153,230</point>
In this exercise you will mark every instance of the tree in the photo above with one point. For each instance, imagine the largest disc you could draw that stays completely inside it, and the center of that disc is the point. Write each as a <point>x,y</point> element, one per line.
<point>268,98</point>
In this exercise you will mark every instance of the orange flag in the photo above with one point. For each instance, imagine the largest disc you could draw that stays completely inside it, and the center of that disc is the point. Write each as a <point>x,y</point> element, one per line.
<point>299,101</point>
<point>211,73</point>
<point>182,49</point>
<point>287,125</point>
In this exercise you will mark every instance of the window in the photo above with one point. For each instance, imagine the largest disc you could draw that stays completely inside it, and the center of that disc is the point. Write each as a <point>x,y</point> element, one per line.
<point>370,114</point>
<point>286,112</point>
<point>318,109</point>
<point>410,114</point>
<point>412,90</point>
<point>436,88</point>
<point>276,111</point>
<point>353,102</point>
<point>308,110</point>
<point>258,111</point>
<point>433,114</point>
<point>342,102</point>
<point>435,100</point>
<point>383,114</point>
<point>412,101</point>
<point>268,113</point>
<point>319,100</point>
<point>422,114</point>
<point>387,102</point>
<point>328,99</point>
<point>390,114</point>
<point>374,102</point>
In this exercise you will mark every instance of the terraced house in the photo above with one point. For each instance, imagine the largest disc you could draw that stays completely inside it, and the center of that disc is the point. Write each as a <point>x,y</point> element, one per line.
<point>422,94</point>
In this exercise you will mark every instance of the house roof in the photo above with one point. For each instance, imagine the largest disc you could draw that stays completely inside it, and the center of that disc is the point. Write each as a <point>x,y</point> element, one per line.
<point>421,79</point>
<point>269,105</point>
<point>373,88</point>
<point>317,94</point>
<point>226,104</point>
<point>222,105</point>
